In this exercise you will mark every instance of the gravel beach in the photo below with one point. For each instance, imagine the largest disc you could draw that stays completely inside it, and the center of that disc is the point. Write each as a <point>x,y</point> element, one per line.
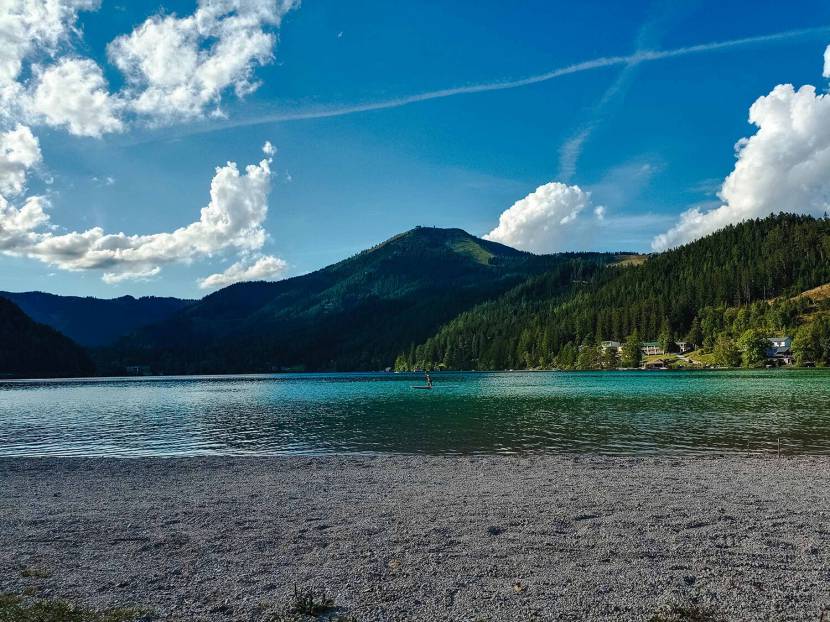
<point>424,538</point>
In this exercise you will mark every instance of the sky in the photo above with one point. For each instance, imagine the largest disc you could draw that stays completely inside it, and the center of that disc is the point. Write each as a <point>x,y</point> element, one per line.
<point>171,148</point>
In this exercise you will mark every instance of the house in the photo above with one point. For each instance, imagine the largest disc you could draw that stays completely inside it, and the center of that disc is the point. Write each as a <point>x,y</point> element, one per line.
<point>780,342</point>
<point>655,364</point>
<point>684,346</point>
<point>779,351</point>
<point>651,348</point>
<point>610,345</point>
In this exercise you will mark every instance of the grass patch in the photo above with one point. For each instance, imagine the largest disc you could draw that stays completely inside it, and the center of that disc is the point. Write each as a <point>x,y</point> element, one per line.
<point>306,602</point>
<point>306,605</point>
<point>625,260</point>
<point>472,250</point>
<point>16,609</point>
<point>35,573</point>
<point>700,358</point>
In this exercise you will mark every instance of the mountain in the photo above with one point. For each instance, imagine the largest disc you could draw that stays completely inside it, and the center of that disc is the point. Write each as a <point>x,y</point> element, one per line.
<point>716,288</point>
<point>32,350</point>
<point>354,315</point>
<point>95,322</point>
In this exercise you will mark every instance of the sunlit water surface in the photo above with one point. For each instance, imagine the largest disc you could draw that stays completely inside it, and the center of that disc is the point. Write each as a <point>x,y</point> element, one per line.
<point>466,413</point>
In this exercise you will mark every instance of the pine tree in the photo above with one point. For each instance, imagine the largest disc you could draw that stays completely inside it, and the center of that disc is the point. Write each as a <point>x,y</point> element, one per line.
<point>632,356</point>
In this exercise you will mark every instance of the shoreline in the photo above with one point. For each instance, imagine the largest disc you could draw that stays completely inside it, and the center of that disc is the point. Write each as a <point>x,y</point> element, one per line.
<point>554,537</point>
<point>412,373</point>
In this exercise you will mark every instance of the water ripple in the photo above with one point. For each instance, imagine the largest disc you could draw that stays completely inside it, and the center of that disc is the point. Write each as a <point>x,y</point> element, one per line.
<point>510,413</point>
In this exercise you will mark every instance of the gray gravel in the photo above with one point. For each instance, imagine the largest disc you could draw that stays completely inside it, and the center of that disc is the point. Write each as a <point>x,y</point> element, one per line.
<point>424,538</point>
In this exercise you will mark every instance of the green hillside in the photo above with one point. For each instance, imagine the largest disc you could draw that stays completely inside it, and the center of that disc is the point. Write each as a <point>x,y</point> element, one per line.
<point>715,287</point>
<point>32,350</point>
<point>354,315</point>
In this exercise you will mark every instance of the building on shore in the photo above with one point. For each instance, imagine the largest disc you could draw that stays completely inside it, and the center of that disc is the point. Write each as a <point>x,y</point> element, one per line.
<point>779,351</point>
<point>651,348</point>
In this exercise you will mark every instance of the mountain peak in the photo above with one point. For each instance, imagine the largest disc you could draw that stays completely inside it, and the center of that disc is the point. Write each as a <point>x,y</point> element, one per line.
<point>450,240</point>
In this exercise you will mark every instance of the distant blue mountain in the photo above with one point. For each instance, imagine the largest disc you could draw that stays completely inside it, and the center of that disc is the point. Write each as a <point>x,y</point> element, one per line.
<point>95,322</point>
<point>32,350</point>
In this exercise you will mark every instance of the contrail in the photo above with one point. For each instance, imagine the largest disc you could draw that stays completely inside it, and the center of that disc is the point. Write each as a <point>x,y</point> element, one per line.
<point>589,65</point>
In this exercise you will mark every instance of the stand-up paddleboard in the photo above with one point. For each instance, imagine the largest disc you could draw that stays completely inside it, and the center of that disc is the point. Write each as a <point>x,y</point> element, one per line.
<point>427,386</point>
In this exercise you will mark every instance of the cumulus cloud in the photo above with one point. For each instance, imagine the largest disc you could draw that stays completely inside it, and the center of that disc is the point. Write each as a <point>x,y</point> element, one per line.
<point>74,94</point>
<point>539,222</point>
<point>783,167</point>
<point>19,151</point>
<point>233,219</point>
<point>27,28</point>
<point>827,62</point>
<point>264,268</point>
<point>177,67</point>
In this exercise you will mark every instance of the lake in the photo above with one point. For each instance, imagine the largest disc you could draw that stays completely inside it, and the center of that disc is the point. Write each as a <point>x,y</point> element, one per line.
<point>466,413</point>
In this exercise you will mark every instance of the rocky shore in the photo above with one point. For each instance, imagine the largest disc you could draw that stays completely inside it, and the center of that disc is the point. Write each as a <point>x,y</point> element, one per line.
<point>424,538</point>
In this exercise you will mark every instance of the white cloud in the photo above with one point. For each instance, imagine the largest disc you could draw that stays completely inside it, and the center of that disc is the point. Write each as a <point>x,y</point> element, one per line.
<point>74,94</point>
<point>27,27</point>
<point>232,219</point>
<point>783,167</point>
<point>539,222</point>
<point>599,212</point>
<point>269,149</point>
<point>19,151</point>
<point>827,62</point>
<point>264,268</point>
<point>178,67</point>
<point>113,278</point>
<point>174,68</point>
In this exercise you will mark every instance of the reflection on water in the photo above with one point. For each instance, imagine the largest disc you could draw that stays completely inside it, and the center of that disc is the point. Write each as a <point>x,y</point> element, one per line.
<point>617,413</point>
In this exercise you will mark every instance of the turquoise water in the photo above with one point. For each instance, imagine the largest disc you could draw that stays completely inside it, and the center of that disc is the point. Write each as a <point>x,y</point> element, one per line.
<point>466,413</point>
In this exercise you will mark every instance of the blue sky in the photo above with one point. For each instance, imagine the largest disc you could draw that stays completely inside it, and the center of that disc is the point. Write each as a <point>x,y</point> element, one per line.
<point>658,135</point>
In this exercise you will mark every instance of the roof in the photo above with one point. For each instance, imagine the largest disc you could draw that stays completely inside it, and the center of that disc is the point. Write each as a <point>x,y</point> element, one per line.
<point>649,344</point>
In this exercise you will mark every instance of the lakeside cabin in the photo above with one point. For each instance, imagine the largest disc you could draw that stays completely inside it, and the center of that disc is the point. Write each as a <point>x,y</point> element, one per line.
<point>649,348</point>
<point>779,351</point>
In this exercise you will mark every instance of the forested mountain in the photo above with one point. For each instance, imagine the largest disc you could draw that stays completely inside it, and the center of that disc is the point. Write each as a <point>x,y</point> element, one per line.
<point>354,315</point>
<point>706,288</point>
<point>32,350</point>
<point>95,321</point>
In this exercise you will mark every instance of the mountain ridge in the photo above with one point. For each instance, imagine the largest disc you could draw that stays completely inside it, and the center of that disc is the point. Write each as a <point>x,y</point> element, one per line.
<point>346,316</point>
